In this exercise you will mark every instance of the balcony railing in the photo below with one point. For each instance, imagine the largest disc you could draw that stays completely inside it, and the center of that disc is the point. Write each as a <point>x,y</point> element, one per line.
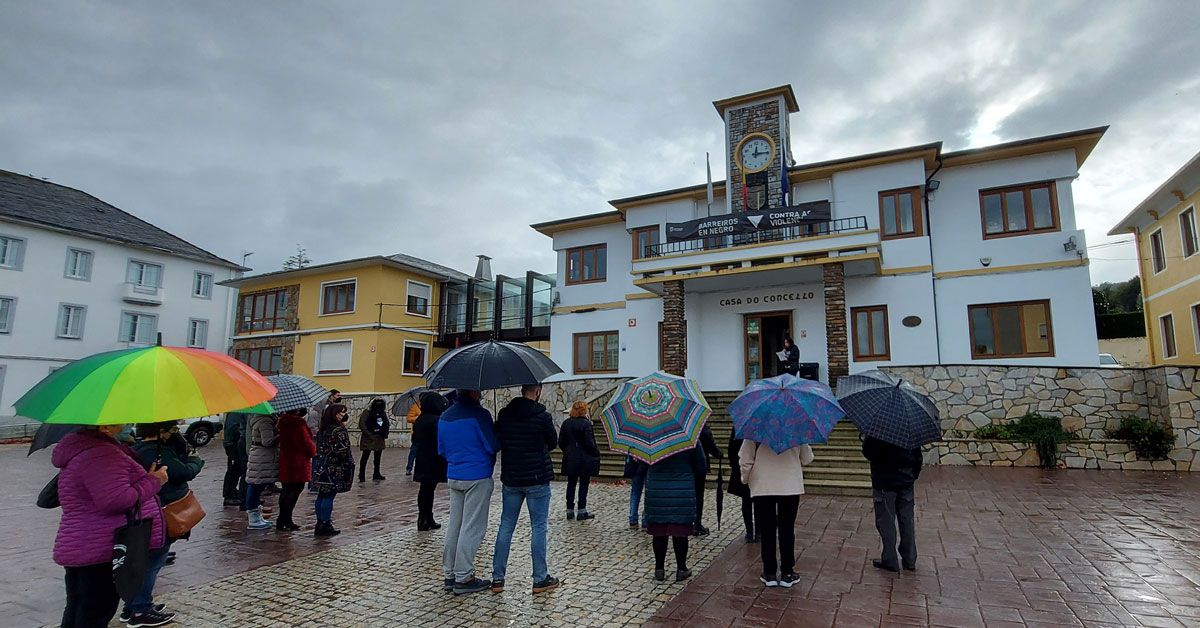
<point>841,225</point>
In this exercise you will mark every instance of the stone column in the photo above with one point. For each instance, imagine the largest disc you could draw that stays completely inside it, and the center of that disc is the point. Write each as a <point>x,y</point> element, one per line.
<point>836,337</point>
<point>674,329</point>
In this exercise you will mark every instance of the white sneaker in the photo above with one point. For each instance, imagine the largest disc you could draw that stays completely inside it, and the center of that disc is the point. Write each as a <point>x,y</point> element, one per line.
<point>770,583</point>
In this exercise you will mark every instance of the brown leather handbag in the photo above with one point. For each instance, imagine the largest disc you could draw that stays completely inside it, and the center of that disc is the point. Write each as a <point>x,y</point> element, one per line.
<point>182,515</point>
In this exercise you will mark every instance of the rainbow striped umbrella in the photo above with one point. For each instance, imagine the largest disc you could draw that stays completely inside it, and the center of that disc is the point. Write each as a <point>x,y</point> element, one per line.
<point>655,416</point>
<point>144,385</point>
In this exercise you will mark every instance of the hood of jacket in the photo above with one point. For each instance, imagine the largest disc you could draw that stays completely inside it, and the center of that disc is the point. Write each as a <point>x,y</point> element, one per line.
<point>433,403</point>
<point>76,443</point>
<point>521,407</point>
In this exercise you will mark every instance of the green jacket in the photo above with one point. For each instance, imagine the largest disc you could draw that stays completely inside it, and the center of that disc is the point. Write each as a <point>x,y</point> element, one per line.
<point>180,471</point>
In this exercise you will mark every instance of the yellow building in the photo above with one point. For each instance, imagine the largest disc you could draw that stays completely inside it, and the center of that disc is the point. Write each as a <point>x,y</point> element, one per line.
<point>1165,230</point>
<point>374,325</point>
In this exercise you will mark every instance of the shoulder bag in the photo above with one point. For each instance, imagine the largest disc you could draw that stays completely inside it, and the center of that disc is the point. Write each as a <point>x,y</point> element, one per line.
<point>131,553</point>
<point>182,515</point>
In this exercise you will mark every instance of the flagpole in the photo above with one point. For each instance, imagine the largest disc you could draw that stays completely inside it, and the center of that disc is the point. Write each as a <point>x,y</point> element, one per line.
<point>708,167</point>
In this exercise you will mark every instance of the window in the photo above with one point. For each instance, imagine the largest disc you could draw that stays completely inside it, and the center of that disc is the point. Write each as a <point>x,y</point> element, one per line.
<point>1011,330</point>
<point>870,330</point>
<point>139,328</point>
<point>414,357</point>
<point>70,321</point>
<point>587,264</point>
<point>333,357</point>
<point>596,352</point>
<point>263,311</point>
<point>79,265</point>
<point>197,333</point>
<point>146,277</point>
<point>1195,326</point>
<point>202,285</point>
<point>419,295</point>
<point>1158,256</point>
<point>900,214</point>
<point>643,239</point>
<point>1019,209</point>
<point>265,360</point>
<point>8,309</point>
<point>1187,231</point>
<point>12,252</point>
<point>338,297</point>
<point>1166,325</point>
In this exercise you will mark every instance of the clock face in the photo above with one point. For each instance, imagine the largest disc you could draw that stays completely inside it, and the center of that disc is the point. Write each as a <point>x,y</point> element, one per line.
<point>755,154</point>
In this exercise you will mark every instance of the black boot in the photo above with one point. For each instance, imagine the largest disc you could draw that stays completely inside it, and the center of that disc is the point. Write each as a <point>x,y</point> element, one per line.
<point>423,524</point>
<point>362,468</point>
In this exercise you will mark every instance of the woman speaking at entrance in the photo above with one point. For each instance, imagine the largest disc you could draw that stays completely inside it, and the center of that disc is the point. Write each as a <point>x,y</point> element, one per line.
<point>776,483</point>
<point>791,357</point>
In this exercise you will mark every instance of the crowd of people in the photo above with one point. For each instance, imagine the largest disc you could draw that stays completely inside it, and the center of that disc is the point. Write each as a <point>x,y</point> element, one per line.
<point>104,483</point>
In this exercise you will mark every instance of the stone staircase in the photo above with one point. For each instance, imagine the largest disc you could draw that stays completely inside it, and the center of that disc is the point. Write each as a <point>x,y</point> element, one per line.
<point>838,467</point>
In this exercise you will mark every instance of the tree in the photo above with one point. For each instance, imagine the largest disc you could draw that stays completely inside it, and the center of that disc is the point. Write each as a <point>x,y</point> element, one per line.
<point>1100,301</point>
<point>1124,296</point>
<point>297,261</point>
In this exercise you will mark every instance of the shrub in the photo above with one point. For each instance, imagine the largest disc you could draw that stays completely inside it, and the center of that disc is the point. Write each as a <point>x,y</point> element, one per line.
<point>1045,433</point>
<point>1149,440</point>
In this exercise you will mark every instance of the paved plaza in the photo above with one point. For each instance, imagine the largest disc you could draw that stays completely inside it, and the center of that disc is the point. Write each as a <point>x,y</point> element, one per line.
<point>999,547</point>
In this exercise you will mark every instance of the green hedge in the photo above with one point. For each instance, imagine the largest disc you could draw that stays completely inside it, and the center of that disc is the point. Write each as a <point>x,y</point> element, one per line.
<point>1045,433</point>
<point>1121,325</point>
<point>1148,439</point>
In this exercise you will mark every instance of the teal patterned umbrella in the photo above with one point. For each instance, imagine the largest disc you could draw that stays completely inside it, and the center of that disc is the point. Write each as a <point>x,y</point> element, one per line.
<point>655,416</point>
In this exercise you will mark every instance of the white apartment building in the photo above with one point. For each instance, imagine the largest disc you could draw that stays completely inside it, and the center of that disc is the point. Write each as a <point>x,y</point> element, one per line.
<point>912,256</point>
<point>79,276</point>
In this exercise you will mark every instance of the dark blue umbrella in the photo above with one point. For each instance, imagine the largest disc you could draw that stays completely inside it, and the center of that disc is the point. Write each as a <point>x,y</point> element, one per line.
<point>490,365</point>
<point>889,408</point>
<point>50,433</point>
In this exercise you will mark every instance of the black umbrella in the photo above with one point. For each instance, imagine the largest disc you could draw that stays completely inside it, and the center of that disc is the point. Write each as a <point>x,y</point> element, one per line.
<point>889,408</point>
<point>49,434</point>
<point>720,489</point>
<point>490,365</point>
<point>408,399</point>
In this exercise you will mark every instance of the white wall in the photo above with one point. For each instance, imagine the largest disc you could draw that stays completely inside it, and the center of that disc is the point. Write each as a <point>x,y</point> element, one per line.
<point>904,295</point>
<point>33,348</point>
<point>620,251</point>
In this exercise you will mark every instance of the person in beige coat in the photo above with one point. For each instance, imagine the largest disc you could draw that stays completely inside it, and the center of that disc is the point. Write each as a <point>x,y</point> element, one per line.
<point>776,483</point>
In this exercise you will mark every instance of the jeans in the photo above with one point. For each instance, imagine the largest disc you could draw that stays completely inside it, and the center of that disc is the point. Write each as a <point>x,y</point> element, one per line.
<point>254,496</point>
<point>235,475</point>
<point>894,508</point>
<point>582,481</point>
<point>143,602</point>
<point>537,500</point>
<point>412,458</point>
<point>287,500</point>
<point>324,506</point>
<point>469,500</point>
<point>776,514</point>
<point>91,596</point>
<point>636,484</point>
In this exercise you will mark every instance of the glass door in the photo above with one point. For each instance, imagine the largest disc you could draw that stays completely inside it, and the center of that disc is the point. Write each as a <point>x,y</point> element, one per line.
<point>753,347</point>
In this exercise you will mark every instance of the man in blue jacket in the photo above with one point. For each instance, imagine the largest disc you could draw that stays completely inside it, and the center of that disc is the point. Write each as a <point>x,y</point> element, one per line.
<point>467,440</point>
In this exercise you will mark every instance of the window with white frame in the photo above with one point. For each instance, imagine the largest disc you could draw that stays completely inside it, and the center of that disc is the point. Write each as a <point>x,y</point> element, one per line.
<point>79,265</point>
<point>138,327</point>
<point>333,357</point>
<point>202,285</point>
<point>8,309</point>
<point>70,321</point>
<point>144,275</point>
<point>415,354</point>
<point>419,295</point>
<point>1166,327</point>
<point>1158,253</point>
<point>12,252</point>
<point>197,334</point>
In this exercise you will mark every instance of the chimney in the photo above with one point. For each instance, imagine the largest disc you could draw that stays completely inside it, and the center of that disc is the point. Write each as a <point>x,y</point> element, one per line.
<point>483,268</point>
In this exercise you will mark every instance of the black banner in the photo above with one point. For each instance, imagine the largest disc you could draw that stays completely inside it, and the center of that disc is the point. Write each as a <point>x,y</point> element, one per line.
<point>739,223</point>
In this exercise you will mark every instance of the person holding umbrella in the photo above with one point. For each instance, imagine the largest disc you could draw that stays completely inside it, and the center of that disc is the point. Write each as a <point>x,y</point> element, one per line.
<point>430,467</point>
<point>296,451</point>
<point>671,508</point>
<point>894,472</point>
<point>467,440</point>
<point>262,467</point>
<point>776,483</point>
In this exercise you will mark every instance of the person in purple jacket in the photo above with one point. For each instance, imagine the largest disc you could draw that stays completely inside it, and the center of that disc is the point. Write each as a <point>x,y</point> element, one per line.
<point>98,482</point>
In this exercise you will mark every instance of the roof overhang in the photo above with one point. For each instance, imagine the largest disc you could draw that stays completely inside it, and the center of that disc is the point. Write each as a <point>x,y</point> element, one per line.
<point>578,222</point>
<point>789,99</point>
<point>308,271</point>
<point>1081,142</point>
<point>1184,183</point>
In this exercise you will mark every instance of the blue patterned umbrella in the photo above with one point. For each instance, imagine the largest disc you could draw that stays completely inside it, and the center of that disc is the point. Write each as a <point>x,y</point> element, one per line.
<point>890,409</point>
<point>785,412</point>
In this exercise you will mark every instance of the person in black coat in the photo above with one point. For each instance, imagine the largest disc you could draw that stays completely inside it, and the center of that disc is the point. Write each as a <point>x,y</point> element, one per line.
<point>671,508</point>
<point>737,487</point>
<point>791,363</point>
<point>581,458</point>
<point>709,447</point>
<point>429,468</point>
<point>894,472</point>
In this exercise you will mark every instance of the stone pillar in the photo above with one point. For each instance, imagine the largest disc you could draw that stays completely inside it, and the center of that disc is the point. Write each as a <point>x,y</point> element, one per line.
<point>837,339</point>
<point>674,329</point>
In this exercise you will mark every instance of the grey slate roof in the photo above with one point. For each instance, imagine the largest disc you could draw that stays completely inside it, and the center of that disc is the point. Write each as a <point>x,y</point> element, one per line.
<point>428,266</point>
<point>31,200</point>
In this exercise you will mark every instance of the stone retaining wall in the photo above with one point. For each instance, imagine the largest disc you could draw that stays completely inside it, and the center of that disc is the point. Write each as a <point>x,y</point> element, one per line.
<point>1096,454</point>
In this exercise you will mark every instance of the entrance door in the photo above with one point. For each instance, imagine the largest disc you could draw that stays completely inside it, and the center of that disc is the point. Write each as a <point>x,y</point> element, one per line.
<point>764,339</point>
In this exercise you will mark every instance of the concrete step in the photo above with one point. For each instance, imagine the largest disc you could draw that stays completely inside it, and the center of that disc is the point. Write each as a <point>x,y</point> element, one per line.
<point>842,488</point>
<point>814,472</point>
<point>842,462</point>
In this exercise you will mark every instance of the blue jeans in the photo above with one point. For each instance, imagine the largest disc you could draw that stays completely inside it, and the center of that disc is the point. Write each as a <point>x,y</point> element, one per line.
<point>636,484</point>
<point>538,501</point>
<point>143,602</point>
<point>254,496</point>
<point>412,457</point>
<point>324,507</point>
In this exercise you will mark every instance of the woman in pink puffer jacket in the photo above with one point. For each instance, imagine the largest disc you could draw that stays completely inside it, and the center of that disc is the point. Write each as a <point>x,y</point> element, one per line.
<point>100,480</point>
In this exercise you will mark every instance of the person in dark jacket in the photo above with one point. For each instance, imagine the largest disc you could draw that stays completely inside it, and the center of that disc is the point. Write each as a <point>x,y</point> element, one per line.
<point>894,471</point>
<point>155,447</point>
<point>296,451</point>
<point>373,426</point>
<point>526,434</point>
<point>467,439</point>
<point>234,432</point>
<point>739,488</point>
<point>709,447</point>
<point>581,458</point>
<point>635,470</point>
<point>429,468</point>
<point>671,508</point>
<point>333,467</point>
<point>791,362</point>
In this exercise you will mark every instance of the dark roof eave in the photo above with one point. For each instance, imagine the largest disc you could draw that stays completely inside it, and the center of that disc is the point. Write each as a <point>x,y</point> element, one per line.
<point>308,270</point>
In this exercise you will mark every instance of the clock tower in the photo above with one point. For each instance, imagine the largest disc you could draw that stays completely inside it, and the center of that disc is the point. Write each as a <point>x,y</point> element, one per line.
<point>756,146</point>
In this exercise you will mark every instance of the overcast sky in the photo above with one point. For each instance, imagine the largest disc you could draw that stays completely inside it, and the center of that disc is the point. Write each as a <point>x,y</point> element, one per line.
<point>442,130</point>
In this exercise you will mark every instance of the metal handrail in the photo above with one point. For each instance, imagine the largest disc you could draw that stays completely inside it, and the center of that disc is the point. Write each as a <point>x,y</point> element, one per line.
<point>840,225</point>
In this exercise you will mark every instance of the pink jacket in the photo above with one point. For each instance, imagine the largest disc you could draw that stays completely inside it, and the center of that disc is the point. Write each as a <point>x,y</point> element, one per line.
<point>99,481</point>
<point>769,473</point>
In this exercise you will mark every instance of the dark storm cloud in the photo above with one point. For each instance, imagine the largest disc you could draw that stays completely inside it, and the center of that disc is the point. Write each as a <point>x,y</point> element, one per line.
<point>442,130</point>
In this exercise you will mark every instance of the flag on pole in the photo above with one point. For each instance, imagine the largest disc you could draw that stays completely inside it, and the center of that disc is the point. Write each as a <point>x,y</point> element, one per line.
<point>784,184</point>
<point>708,166</point>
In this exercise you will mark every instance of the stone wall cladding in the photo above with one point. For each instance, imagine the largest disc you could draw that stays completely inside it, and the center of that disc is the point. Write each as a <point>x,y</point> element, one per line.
<point>674,329</point>
<point>760,118</point>
<point>291,323</point>
<point>1102,454</point>
<point>1089,400</point>
<point>836,336</point>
